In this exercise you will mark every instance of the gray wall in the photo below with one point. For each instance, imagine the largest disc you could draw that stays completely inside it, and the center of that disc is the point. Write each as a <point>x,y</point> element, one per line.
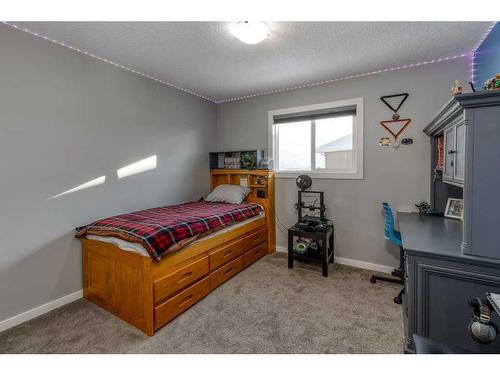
<point>65,119</point>
<point>400,176</point>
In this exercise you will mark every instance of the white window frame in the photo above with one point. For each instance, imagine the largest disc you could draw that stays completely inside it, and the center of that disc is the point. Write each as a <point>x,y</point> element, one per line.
<point>357,171</point>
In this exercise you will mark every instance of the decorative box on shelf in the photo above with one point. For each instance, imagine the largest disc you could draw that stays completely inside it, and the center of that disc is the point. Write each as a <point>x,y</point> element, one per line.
<point>236,159</point>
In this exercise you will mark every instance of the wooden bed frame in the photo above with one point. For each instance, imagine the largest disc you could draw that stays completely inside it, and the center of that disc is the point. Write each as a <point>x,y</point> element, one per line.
<point>149,294</point>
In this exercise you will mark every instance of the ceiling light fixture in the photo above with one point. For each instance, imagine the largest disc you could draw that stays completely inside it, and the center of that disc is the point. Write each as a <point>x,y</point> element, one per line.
<point>250,32</point>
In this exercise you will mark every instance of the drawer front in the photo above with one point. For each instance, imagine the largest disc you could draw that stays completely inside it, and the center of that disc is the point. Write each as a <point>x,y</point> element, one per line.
<point>254,254</point>
<point>255,238</point>
<point>225,254</point>
<point>171,283</point>
<point>181,302</point>
<point>225,272</point>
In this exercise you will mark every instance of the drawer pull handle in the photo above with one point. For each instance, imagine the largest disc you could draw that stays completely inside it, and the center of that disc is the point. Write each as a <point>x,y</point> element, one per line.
<point>228,253</point>
<point>186,300</point>
<point>257,239</point>
<point>228,270</point>
<point>185,277</point>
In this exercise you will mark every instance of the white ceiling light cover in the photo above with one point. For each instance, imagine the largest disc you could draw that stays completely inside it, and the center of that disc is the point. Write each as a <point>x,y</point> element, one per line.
<point>250,32</point>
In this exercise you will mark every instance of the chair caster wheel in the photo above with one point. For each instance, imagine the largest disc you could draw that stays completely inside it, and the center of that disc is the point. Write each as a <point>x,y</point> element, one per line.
<point>372,280</point>
<point>398,300</point>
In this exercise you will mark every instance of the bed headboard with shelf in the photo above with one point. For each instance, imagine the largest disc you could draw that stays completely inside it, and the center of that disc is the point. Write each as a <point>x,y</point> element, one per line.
<point>261,184</point>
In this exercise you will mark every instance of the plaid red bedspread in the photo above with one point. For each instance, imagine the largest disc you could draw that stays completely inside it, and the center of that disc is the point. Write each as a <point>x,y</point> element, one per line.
<point>163,230</point>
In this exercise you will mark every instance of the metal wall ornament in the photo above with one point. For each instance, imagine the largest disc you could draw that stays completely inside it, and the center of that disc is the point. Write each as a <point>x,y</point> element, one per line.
<point>403,96</point>
<point>396,126</point>
<point>384,142</point>
<point>402,124</point>
<point>407,141</point>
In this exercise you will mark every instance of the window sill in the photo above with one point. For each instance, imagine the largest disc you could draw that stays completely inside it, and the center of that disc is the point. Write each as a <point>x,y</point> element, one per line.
<point>321,175</point>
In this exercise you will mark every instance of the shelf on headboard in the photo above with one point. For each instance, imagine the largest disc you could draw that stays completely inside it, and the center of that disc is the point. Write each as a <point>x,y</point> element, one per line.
<point>234,177</point>
<point>252,172</point>
<point>262,194</point>
<point>248,158</point>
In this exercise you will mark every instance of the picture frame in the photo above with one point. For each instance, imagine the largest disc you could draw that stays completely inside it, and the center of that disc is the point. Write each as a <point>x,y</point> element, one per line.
<point>454,208</point>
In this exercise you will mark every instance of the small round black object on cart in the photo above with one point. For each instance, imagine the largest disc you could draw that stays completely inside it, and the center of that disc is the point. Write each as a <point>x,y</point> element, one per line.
<point>303,182</point>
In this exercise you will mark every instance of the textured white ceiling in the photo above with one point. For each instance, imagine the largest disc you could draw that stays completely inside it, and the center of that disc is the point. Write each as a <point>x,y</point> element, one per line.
<point>205,58</point>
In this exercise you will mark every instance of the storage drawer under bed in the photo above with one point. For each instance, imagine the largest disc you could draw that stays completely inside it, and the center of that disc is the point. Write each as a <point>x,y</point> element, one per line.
<point>254,239</point>
<point>225,253</point>
<point>224,273</point>
<point>180,302</point>
<point>180,278</point>
<point>254,254</point>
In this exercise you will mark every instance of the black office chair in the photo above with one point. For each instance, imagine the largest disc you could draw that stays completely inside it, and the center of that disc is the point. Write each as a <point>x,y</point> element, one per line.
<point>395,237</point>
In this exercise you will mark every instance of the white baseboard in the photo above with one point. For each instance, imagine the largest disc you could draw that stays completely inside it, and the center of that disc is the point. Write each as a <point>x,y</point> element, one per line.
<point>351,262</point>
<point>37,311</point>
<point>364,265</point>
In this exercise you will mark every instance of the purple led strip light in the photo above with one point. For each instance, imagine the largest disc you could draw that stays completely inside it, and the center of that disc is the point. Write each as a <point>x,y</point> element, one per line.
<point>401,67</point>
<point>347,77</point>
<point>473,53</point>
<point>105,60</point>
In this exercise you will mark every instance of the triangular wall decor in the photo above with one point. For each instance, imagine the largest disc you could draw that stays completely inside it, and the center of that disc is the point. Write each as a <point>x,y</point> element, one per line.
<point>402,124</point>
<point>403,96</point>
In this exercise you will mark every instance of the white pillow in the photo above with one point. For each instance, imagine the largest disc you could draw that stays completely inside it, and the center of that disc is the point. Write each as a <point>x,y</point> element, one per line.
<point>228,194</point>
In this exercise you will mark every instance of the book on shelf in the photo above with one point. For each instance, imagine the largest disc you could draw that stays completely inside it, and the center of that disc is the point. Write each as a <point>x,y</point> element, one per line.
<point>440,155</point>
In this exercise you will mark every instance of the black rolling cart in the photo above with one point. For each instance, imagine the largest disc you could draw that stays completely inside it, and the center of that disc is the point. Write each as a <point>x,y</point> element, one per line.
<point>324,252</point>
<point>311,239</point>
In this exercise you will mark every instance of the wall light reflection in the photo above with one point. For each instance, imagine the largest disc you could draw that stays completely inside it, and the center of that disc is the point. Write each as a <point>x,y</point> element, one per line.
<point>137,167</point>
<point>86,185</point>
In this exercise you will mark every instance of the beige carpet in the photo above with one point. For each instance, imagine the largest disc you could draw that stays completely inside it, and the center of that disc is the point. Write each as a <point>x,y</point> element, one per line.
<point>266,308</point>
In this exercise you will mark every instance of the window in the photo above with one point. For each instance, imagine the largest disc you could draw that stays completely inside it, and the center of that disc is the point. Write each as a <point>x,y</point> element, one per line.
<point>323,140</point>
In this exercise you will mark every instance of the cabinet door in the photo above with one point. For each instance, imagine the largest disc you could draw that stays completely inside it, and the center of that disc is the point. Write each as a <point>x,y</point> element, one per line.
<point>98,275</point>
<point>459,171</point>
<point>444,289</point>
<point>449,153</point>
